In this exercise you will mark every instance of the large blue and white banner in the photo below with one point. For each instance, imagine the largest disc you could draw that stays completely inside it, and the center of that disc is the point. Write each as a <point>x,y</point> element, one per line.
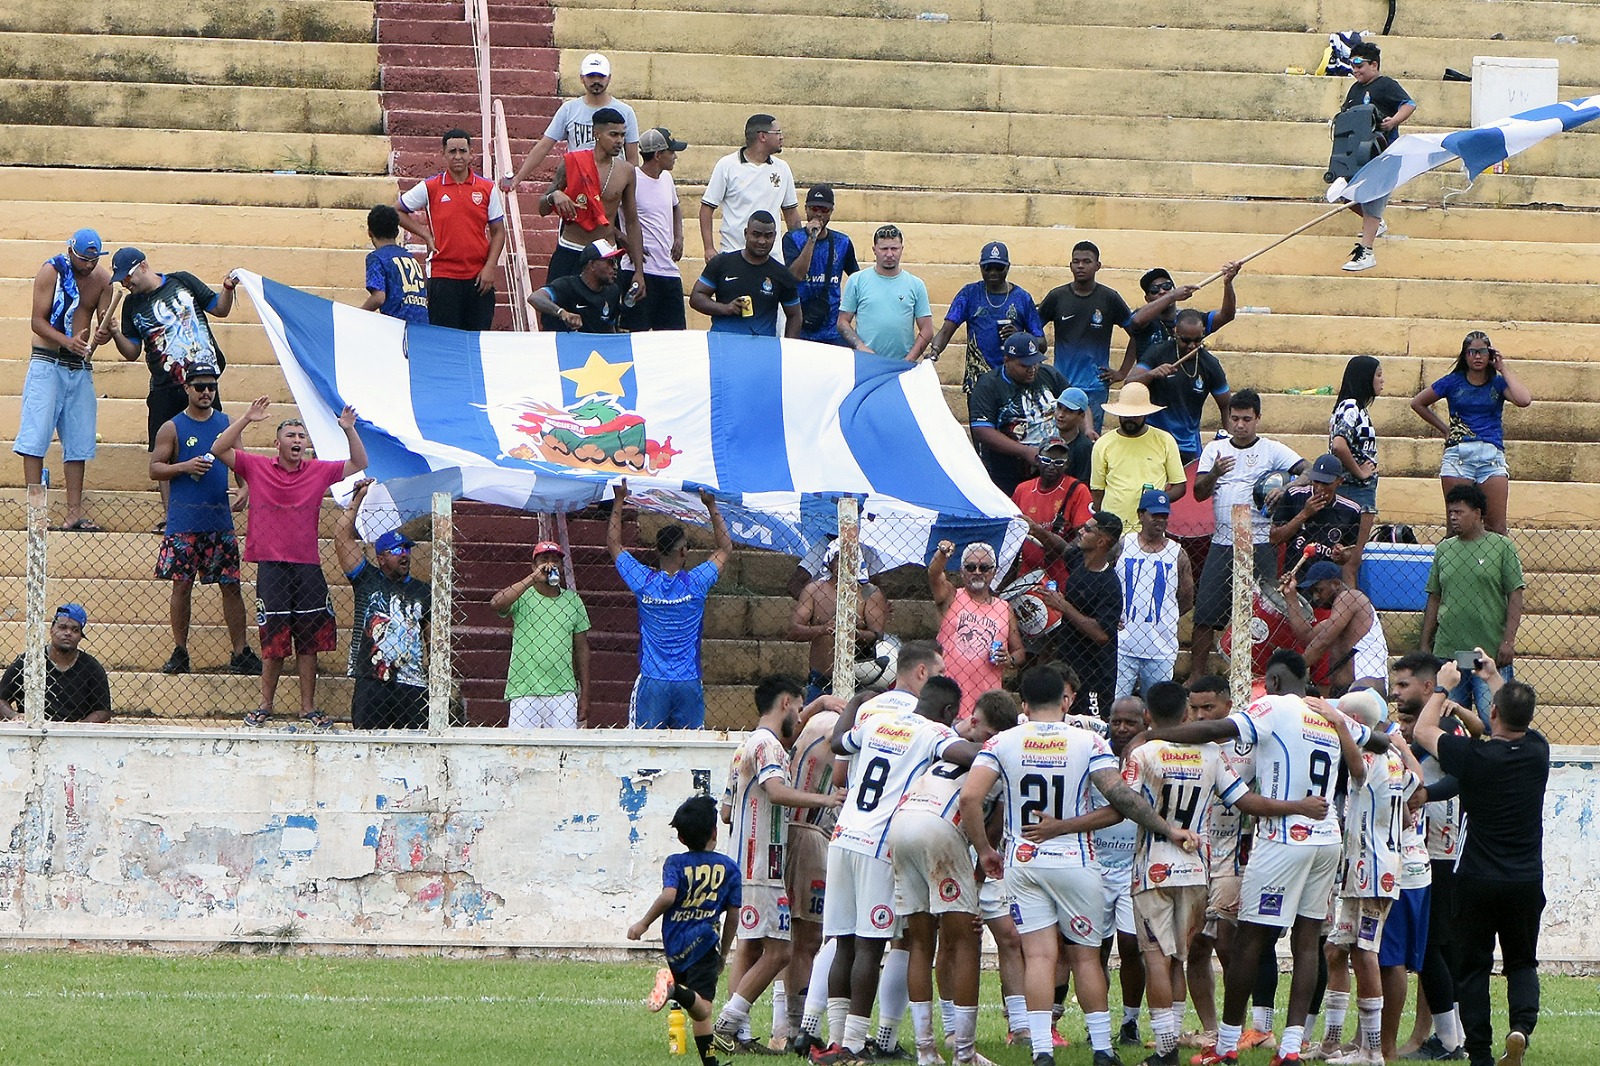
<point>1478,149</point>
<point>777,430</point>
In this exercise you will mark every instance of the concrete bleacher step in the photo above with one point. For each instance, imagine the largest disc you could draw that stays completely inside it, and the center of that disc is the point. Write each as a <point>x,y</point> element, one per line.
<point>123,190</point>
<point>305,20</point>
<point>170,149</point>
<point>215,698</point>
<point>191,107</point>
<point>183,226</point>
<point>190,60</point>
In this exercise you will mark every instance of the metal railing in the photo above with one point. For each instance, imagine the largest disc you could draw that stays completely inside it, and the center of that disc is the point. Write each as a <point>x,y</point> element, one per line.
<point>477,16</point>
<point>516,250</point>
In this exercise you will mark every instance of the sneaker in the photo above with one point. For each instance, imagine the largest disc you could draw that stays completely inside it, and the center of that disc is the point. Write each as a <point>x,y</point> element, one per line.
<point>1252,1038</point>
<point>1516,1044</point>
<point>1128,1035</point>
<point>1106,1058</point>
<point>1430,1050</point>
<point>1361,258</point>
<point>1210,1057</point>
<point>177,662</point>
<point>662,991</point>
<point>1456,1054</point>
<point>245,661</point>
<point>1383,227</point>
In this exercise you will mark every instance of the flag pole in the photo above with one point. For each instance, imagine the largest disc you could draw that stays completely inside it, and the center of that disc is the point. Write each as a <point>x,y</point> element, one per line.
<point>1292,233</point>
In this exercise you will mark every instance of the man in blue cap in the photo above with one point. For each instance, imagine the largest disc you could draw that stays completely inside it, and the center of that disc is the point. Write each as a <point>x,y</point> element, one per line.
<point>58,392</point>
<point>75,685</point>
<point>992,310</point>
<point>1351,636</point>
<point>1075,428</point>
<point>393,612</point>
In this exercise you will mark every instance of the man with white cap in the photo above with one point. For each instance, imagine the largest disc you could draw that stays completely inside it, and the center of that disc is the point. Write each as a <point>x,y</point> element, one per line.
<point>1134,457</point>
<point>58,392</point>
<point>573,121</point>
<point>589,301</point>
<point>547,682</point>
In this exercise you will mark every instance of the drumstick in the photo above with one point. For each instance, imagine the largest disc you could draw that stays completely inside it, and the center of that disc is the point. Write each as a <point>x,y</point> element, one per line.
<point>116,302</point>
<point>1305,557</point>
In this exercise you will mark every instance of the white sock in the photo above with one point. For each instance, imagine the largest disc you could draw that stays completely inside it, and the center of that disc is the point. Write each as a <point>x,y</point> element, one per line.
<point>1311,1026</point>
<point>817,986</point>
<point>947,1016</point>
<point>1448,1026</point>
<point>780,1011</point>
<point>838,1010</point>
<point>1017,1013</point>
<point>1335,1005</point>
<point>1039,1032</point>
<point>892,995</point>
<point>736,1009</point>
<point>1164,1023</point>
<point>1292,1037</point>
<point>966,1033</point>
<point>1371,1022</point>
<point>855,1032</point>
<point>746,1033</point>
<point>922,1023</point>
<point>1129,1014</point>
<point>1099,1026</point>
<point>1227,1037</point>
<point>1261,1019</point>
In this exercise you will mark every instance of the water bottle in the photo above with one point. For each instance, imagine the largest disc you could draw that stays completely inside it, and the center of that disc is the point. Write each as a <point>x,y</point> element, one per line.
<point>1049,586</point>
<point>1255,310</point>
<point>44,477</point>
<point>940,16</point>
<point>677,1032</point>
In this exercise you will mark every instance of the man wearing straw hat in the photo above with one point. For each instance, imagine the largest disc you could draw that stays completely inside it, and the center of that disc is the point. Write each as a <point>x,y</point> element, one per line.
<point>1133,457</point>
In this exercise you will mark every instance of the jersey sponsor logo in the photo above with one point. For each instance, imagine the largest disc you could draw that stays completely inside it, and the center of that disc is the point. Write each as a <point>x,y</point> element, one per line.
<point>766,286</point>
<point>1097,319</point>
<point>1026,851</point>
<point>1081,925</point>
<point>1045,745</point>
<point>893,738</point>
<point>1386,882</point>
<point>1016,914</point>
<point>949,890</point>
<point>881,916</point>
<point>1369,927</point>
<point>1271,904</point>
<point>1159,872</point>
<point>1299,832</point>
<point>749,916</point>
<point>1361,874</point>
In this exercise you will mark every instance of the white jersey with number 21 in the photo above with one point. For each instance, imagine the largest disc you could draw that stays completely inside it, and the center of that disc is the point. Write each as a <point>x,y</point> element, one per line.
<point>1044,769</point>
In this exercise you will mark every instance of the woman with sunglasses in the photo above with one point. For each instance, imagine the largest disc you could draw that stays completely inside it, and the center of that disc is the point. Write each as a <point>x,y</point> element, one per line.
<point>1354,442</point>
<point>1475,394</point>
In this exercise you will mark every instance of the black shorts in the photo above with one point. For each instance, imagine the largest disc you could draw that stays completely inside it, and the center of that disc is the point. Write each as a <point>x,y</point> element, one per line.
<point>1442,904</point>
<point>388,705</point>
<point>564,263</point>
<point>661,308</point>
<point>294,613</point>
<point>700,976</point>
<point>1213,597</point>
<point>457,303</point>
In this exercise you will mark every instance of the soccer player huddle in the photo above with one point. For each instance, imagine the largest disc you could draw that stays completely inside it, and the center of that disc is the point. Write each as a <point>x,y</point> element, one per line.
<point>871,843</point>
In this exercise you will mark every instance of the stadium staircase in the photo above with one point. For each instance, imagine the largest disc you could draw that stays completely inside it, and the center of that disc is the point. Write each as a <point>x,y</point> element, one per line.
<point>256,134</point>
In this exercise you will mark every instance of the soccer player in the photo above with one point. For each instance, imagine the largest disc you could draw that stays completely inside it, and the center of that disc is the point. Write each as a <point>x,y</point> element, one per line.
<point>1169,883</point>
<point>1114,839</point>
<point>697,885</point>
<point>1046,767</point>
<point>759,792</point>
<point>1289,881</point>
<point>935,889</point>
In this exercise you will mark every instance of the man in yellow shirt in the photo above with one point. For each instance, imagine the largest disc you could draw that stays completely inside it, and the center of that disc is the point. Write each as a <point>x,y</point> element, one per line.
<point>1133,457</point>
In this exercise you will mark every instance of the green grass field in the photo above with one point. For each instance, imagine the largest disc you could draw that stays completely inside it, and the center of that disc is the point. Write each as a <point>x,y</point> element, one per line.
<point>100,1008</point>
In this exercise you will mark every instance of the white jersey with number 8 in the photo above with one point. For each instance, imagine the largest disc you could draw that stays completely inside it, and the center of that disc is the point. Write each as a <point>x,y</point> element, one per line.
<point>1044,770</point>
<point>1297,755</point>
<point>890,752</point>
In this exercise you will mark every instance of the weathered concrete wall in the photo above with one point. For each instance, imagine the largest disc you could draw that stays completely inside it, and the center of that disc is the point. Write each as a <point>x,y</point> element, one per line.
<point>475,840</point>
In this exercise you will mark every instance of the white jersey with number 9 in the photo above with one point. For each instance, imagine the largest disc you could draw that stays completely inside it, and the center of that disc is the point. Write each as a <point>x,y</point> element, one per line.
<point>1297,755</point>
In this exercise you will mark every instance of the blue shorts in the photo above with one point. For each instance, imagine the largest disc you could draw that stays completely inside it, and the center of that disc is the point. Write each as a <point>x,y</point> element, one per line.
<point>1475,460</point>
<point>1363,492</point>
<point>57,399</point>
<point>667,704</point>
<point>1405,933</point>
<point>1098,397</point>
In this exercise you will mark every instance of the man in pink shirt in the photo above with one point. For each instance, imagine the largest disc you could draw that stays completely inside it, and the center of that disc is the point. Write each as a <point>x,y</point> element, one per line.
<point>972,621</point>
<point>293,611</point>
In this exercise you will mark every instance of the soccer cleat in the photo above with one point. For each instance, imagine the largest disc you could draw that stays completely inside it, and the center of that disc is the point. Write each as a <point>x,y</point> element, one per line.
<point>804,1043</point>
<point>1313,1052</point>
<point>1056,1039</point>
<point>725,1038</point>
<point>1210,1057</point>
<point>177,662</point>
<point>756,1047</point>
<point>1169,1059</point>
<point>1361,258</point>
<point>1516,1044</point>
<point>1042,1059</point>
<point>1197,1038</point>
<point>1017,1036</point>
<point>1285,1060</point>
<point>978,1059</point>
<point>834,1055</point>
<point>929,1056</point>
<point>1359,1057</point>
<point>1252,1038</point>
<point>1106,1058</point>
<point>873,1053</point>
<point>245,661</point>
<point>1128,1035</point>
<point>662,991</point>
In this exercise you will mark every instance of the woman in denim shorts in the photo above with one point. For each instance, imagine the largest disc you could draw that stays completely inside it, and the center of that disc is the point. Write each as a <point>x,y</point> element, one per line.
<point>1475,393</point>
<point>1354,441</point>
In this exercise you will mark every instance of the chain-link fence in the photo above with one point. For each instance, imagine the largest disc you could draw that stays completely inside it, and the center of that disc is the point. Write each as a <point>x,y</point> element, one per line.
<point>529,652</point>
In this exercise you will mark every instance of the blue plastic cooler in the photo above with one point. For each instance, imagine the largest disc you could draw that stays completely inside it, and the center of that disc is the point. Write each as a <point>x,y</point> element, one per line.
<point>1395,576</point>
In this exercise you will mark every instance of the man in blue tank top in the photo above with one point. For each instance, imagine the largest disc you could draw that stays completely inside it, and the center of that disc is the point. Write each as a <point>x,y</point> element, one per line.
<point>199,541</point>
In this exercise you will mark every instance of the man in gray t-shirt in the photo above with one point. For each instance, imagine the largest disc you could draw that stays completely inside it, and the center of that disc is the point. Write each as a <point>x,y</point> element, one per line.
<point>573,121</point>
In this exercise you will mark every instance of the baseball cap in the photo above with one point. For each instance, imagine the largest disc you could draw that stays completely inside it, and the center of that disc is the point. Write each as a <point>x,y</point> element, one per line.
<point>86,244</point>
<point>393,541</point>
<point>820,196</point>
<point>594,63</point>
<point>548,547</point>
<point>124,261</point>
<point>1321,570</point>
<point>75,612</point>
<point>659,139</point>
<point>1327,470</point>
<point>200,368</point>
<point>1155,501</point>
<point>1074,399</point>
<point>601,249</point>
<point>1054,444</point>
<point>1150,277</point>
<point>994,252</point>
<point>1023,347</point>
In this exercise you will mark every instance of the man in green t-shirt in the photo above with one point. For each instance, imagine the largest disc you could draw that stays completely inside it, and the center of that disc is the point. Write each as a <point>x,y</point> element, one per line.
<point>1474,593</point>
<point>547,683</point>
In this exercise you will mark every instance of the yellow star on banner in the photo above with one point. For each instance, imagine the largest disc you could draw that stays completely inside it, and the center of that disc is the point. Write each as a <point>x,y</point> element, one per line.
<point>597,375</point>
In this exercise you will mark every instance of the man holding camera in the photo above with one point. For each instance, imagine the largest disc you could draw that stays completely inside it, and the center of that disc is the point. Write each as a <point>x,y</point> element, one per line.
<point>1393,106</point>
<point>547,683</point>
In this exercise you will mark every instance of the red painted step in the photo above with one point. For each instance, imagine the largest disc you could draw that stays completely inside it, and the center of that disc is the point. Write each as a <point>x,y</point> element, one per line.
<point>419,31</point>
<point>408,121</point>
<point>500,13</point>
<point>520,104</point>
<point>461,56</point>
<point>508,84</point>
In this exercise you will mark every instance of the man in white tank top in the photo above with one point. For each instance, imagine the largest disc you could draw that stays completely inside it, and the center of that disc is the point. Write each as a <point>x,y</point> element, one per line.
<point>1157,586</point>
<point>1351,637</point>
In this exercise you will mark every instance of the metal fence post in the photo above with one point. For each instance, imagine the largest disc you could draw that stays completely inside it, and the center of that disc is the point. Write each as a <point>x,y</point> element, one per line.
<point>1244,565</point>
<point>35,627</point>
<point>441,661</point>
<point>847,601</point>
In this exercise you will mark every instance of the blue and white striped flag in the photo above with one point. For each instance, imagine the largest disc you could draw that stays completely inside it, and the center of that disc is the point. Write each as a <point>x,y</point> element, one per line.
<point>1478,149</point>
<point>778,430</point>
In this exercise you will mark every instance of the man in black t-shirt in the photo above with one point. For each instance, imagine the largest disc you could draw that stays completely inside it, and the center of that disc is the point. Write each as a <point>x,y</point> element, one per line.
<point>1500,874</point>
<point>1181,373</point>
<point>742,291</point>
<point>1082,314</point>
<point>589,301</point>
<point>75,685</point>
<point>1393,105</point>
<point>1012,411</point>
<point>1091,608</point>
<point>1315,515</point>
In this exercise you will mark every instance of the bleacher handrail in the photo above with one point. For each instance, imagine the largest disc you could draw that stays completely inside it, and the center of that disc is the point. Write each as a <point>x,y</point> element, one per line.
<point>477,16</point>
<point>516,250</point>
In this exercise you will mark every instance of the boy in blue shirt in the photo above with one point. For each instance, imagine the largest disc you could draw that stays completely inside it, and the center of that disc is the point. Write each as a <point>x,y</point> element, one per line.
<point>697,886</point>
<point>395,285</point>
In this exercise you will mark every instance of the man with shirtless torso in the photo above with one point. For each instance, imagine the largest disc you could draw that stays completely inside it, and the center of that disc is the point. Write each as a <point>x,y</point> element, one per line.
<point>816,611</point>
<point>1351,637</point>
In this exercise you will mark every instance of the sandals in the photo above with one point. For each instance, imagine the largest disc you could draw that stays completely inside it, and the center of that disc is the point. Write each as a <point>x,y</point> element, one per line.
<point>257,719</point>
<point>317,720</point>
<point>82,525</point>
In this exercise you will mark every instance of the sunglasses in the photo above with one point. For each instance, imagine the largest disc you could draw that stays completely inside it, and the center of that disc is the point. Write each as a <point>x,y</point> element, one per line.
<point>1197,342</point>
<point>1358,62</point>
<point>1160,287</point>
<point>1045,460</point>
<point>402,551</point>
<point>203,386</point>
<point>977,568</point>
